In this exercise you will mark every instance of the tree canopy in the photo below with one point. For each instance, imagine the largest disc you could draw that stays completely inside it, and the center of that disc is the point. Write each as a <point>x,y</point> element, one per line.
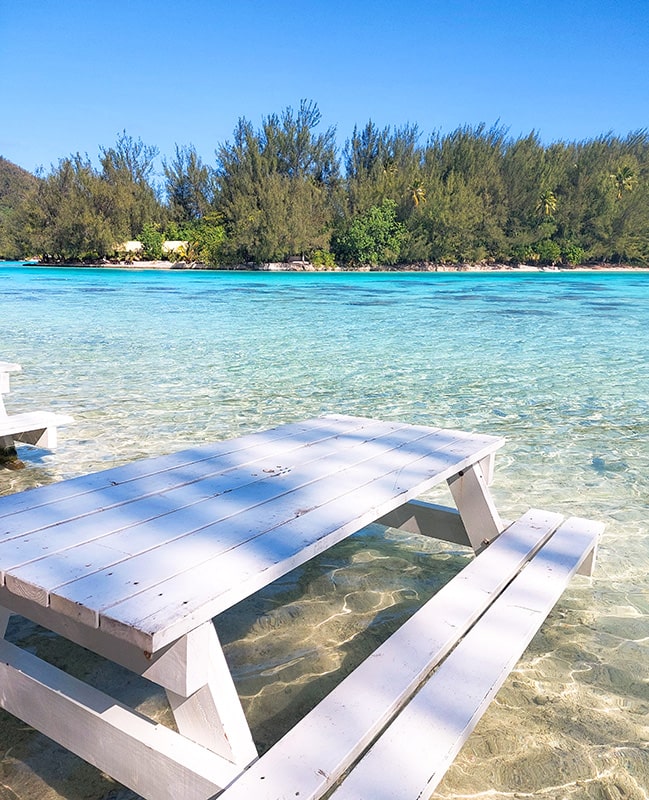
<point>388,195</point>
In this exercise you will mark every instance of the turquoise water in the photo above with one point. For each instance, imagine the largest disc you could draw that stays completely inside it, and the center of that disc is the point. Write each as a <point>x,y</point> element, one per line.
<point>150,362</point>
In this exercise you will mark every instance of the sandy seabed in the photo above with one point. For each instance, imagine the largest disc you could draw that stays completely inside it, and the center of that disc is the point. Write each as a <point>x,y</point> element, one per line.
<point>142,376</point>
<point>290,644</point>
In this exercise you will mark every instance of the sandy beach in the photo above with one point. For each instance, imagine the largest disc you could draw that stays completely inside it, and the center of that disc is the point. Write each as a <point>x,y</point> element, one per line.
<point>307,267</point>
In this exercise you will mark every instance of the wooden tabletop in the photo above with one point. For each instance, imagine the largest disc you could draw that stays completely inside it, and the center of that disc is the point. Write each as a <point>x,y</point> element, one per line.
<point>153,549</point>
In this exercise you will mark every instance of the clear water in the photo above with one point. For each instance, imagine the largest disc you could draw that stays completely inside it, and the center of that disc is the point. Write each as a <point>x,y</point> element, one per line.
<point>151,362</point>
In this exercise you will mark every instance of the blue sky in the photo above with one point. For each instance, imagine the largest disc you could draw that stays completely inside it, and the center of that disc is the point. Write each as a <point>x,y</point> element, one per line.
<point>75,73</point>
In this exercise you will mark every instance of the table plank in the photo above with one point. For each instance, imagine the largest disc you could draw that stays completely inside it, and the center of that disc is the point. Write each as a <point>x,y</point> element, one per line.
<point>246,513</point>
<point>160,613</point>
<point>52,498</point>
<point>125,505</point>
<point>86,545</point>
<point>31,421</point>
<point>160,544</point>
<point>8,366</point>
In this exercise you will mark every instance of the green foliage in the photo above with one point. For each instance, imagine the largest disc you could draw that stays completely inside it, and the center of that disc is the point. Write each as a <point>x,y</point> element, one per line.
<point>454,220</point>
<point>206,240</point>
<point>152,240</point>
<point>81,213</point>
<point>189,185</point>
<point>323,259</point>
<point>276,186</point>
<point>383,164</point>
<point>175,231</point>
<point>546,205</point>
<point>573,254</point>
<point>277,191</point>
<point>524,254</point>
<point>16,185</point>
<point>127,170</point>
<point>548,252</point>
<point>373,238</point>
<point>625,180</point>
<point>68,219</point>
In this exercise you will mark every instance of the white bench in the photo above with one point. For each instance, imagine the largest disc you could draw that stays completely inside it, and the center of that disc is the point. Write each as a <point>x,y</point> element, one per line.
<point>37,428</point>
<point>6,368</point>
<point>134,563</point>
<point>392,728</point>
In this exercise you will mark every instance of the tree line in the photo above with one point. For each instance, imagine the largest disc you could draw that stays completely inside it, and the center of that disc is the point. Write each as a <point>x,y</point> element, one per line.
<point>388,196</point>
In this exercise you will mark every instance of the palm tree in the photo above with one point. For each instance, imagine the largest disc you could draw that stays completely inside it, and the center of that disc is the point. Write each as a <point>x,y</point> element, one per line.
<point>625,180</point>
<point>546,205</point>
<point>417,193</point>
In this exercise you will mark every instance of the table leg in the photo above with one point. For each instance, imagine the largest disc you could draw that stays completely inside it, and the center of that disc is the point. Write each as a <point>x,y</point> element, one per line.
<point>212,715</point>
<point>192,671</point>
<point>154,761</point>
<point>476,506</point>
<point>212,746</point>
<point>487,465</point>
<point>4,620</point>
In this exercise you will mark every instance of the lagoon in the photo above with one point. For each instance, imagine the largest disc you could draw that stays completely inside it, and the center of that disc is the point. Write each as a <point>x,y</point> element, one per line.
<point>149,362</point>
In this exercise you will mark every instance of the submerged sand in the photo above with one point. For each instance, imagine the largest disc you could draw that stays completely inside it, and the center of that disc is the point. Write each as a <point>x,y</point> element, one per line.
<point>290,644</point>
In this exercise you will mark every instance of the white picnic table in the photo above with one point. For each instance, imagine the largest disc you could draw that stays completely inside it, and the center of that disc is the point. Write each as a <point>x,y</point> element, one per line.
<point>135,562</point>
<point>38,428</point>
<point>6,368</point>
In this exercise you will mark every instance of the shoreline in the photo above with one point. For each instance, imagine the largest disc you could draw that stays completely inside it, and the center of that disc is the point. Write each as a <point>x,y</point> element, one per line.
<point>140,266</point>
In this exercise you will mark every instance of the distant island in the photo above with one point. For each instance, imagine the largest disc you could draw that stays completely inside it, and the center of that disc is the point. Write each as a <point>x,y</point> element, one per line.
<point>284,195</point>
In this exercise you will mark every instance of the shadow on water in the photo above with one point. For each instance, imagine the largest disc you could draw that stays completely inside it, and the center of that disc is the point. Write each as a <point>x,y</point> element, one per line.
<point>288,646</point>
<point>291,643</point>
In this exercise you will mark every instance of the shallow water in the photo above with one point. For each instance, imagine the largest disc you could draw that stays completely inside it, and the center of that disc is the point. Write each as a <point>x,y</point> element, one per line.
<point>151,362</point>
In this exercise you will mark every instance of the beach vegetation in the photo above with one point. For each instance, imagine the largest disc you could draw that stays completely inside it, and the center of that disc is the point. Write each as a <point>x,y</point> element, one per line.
<point>276,186</point>
<point>417,193</point>
<point>546,205</point>
<point>548,252</point>
<point>205,241</point>
<point>625,180</point>
<point>67,218</point>
<point>284,190</point>
<point>152,240</point>
<point>524,254</point>
<point>573,254</point>
<point>127,171</point>
<point>323,259</point>
<point>16,185</point>
<point>189,185</point>
<point>372,238</point>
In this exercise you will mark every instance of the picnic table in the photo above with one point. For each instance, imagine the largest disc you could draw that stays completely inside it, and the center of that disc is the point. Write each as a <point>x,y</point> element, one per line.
<point>38,428</point>
<point>134,563</point>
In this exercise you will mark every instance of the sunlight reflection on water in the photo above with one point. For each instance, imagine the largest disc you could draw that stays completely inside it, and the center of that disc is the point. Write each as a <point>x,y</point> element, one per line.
<point>150,363</point>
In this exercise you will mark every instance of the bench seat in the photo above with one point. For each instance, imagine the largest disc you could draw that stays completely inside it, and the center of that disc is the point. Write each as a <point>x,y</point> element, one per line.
<point>392,728</point>
<point>38,428</point>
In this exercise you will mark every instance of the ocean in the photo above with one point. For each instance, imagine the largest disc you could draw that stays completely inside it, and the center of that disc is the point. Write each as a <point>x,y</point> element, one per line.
<point>149,362</point>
